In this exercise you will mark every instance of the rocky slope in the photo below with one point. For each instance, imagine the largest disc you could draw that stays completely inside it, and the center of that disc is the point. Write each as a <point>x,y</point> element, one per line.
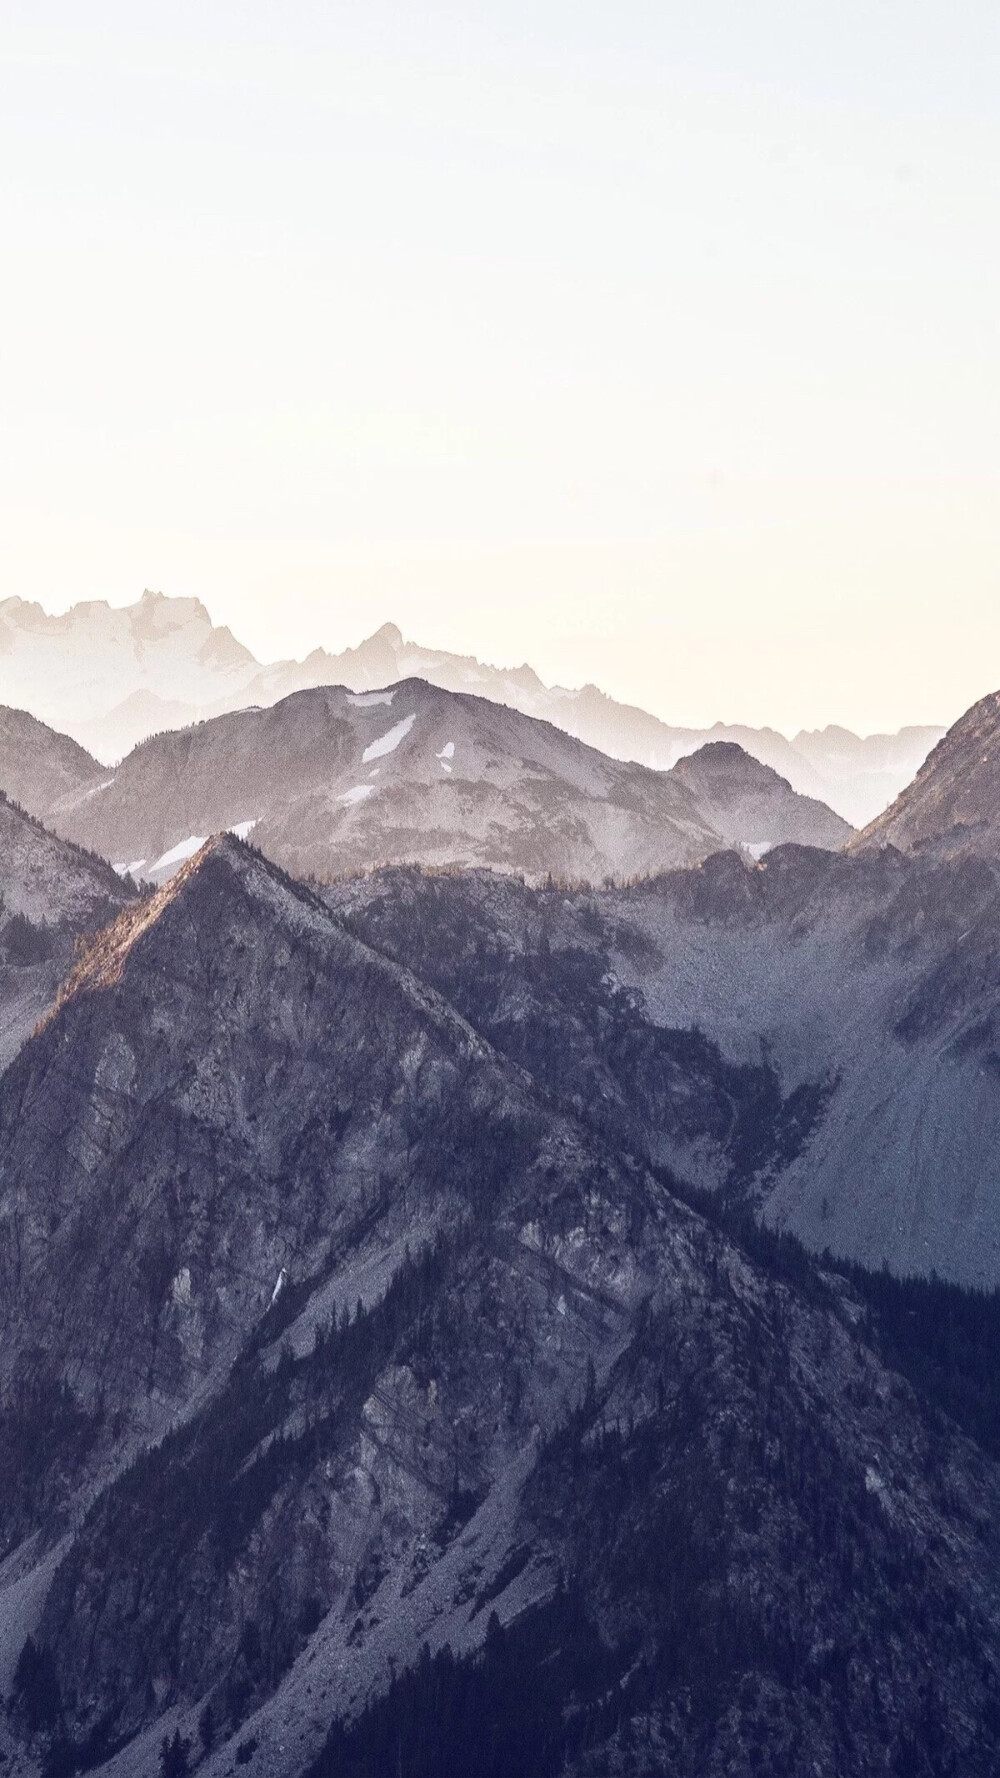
<point>952,808</point>
<point>50,892</point>
<point>751,806</point>
<point>435,1363</point>
<point>38,766</point>
<point>330,780</point>
<point>864,773</point>
<point>114,677</point>
<point>818,1035</point>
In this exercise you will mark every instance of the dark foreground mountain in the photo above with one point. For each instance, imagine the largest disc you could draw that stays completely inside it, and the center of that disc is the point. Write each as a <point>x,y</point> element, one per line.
<point>818,1036</point>
<point>751,806</point>
<point>430,1364</point>
<point>952,808</point>
<point>330,780</point>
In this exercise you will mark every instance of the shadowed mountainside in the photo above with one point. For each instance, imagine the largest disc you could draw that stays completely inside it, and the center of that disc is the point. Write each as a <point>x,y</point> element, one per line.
<point>818,1035</point>
<point>421,1347</point>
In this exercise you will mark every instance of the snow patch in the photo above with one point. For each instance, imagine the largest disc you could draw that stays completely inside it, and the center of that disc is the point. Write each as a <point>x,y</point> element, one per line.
<point>129,870</point>
<point>243,829</point>
<point>388,742</point>
<point>180,1290</point>
<point>364,700</point>
<point>183,849</point>
<point>105,786</point>
<point>356,794</point>
<point>757,848</point>
<point>447,751</point>
<point>445,767</point>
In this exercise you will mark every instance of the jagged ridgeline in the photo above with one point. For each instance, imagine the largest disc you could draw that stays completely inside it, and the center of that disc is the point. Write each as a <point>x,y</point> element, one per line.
<point>380,1396</point>
<point>112,678</point>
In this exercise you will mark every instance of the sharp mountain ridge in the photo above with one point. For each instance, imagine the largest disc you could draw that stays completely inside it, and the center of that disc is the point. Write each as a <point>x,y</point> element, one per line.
<point>111,677</point>
<point>952,808</point>
<point>817,1036</point>
<point>347,1336</point>
<point>330,780</point>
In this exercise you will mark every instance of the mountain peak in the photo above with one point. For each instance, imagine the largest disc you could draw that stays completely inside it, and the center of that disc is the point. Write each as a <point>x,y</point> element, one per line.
<point>104,961</point>
<point>750,804</point>
<point>951,806</point>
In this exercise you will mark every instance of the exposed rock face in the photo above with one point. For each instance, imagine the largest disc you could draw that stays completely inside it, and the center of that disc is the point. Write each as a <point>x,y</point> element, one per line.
<point>330,780</point>
<point>819,1034</point>
<point>39,766</point>
<point>114,677</point>
<point>751,806</point>
<point>50,881</point>
<point>952,808</point>
<point>562,1397</point>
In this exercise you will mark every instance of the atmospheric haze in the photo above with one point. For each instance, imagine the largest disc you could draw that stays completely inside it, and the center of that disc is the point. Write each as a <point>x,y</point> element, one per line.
<point>655,344</point>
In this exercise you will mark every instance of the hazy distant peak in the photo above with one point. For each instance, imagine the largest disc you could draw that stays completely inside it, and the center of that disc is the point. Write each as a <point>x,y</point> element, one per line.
<point>730,756</point>
<point>79,671</point>
<point>751,805</point>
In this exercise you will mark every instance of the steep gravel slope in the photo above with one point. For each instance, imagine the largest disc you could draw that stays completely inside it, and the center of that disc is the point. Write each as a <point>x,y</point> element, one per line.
<point>819,1034</point>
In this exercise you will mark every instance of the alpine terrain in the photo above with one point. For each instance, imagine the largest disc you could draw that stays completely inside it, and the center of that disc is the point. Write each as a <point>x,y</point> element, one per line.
<point>331,780</point>
<point>751,806</point>
<point>112,677</point>
<point>952,808</point>
<point>51,894</point>
<point>522,1302</point>
<point>365,1408</point>
<point>815,1037</point>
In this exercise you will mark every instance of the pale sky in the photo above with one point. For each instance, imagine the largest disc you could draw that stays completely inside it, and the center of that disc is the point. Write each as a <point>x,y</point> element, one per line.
<point>656,344</point>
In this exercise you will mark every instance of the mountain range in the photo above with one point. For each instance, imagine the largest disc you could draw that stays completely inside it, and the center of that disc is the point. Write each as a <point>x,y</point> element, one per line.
<point>331,781</point>
<point>815,1038</point>
<point>359,1396</point>
<point>111,677</point>
<point>499,1255</point>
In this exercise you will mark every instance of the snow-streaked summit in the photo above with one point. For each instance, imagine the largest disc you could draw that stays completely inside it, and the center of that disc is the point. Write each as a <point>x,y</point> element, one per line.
<point>111,677</point>
<point>336,785</point>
